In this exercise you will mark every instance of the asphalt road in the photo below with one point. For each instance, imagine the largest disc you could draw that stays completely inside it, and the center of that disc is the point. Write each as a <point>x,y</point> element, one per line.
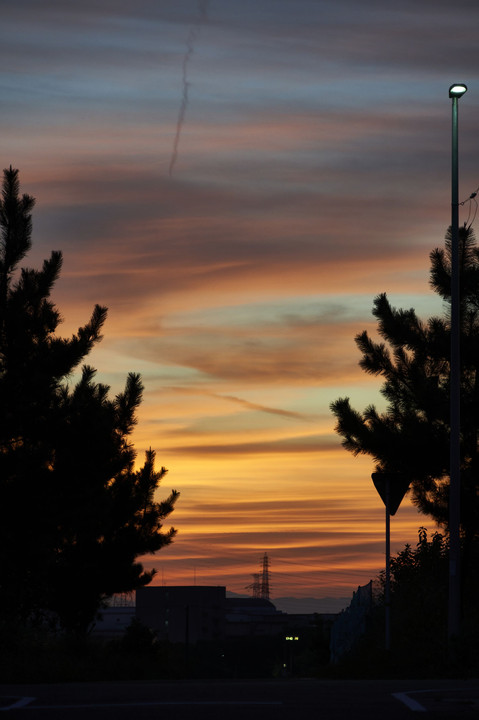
<point>244,700</point>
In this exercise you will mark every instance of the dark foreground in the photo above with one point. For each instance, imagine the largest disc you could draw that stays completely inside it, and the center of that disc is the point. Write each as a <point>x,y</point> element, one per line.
<point>244,700</point>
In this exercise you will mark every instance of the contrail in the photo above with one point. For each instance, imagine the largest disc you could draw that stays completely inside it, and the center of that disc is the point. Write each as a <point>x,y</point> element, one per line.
<point>192,35</point>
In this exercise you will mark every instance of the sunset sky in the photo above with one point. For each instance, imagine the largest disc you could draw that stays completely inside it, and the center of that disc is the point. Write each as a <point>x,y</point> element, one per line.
<point>237,180</point>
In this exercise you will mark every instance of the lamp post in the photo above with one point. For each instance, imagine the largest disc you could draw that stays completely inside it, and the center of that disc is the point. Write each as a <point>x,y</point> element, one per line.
<point>455,92</point>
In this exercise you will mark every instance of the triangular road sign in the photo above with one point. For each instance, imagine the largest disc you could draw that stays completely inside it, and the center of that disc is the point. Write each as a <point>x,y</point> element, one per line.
<point>395,484</point>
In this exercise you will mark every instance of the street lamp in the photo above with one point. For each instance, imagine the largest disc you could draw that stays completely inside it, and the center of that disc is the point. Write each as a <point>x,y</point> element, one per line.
<point>455,92</point>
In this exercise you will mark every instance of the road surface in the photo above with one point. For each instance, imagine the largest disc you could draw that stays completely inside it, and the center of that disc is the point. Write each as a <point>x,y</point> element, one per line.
<point>244,700</point>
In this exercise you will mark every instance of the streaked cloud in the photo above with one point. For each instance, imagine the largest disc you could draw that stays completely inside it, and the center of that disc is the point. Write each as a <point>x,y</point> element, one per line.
<point>313,175</point>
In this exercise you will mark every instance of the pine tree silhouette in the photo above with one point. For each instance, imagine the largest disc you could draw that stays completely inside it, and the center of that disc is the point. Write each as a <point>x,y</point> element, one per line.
<point>74,513</point>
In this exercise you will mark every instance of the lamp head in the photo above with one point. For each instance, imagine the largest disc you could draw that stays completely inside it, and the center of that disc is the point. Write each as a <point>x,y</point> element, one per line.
<point>457,90</point>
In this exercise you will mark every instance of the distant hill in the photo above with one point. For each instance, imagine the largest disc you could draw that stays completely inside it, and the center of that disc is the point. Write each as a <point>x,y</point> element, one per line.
<point>298,606</point>
<point>306,606</point>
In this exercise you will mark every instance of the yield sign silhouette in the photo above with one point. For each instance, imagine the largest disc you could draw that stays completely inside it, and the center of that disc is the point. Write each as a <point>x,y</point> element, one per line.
<point>391,487</point>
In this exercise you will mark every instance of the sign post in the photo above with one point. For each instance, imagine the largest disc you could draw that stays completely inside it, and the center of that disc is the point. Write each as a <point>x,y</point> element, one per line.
<point>391,487</point>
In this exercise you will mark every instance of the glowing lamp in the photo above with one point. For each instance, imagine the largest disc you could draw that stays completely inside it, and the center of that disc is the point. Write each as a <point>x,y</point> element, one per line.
<point>457,90</point>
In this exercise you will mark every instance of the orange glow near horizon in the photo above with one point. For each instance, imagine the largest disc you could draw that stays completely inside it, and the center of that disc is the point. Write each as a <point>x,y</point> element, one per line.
<point>322,544</point>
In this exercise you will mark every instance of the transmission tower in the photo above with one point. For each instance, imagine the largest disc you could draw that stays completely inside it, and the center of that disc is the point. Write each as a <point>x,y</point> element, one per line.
<point>264,593</point>
<point>260,584</point>
<point>255,585</point>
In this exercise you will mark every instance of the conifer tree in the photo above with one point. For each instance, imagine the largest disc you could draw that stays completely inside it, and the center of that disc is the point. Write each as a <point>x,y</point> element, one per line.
<point>411,437</point>
<point>75,515</point>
